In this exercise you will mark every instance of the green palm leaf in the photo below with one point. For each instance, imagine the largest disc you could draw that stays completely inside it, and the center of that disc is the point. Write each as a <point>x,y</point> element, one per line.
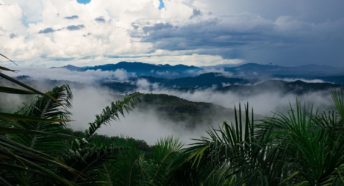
<point>53,116</point>
<point>112,112</point>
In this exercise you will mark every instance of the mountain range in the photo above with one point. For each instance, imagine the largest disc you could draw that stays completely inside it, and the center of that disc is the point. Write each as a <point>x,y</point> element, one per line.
<point>248,70</point>
<point>250,77</point>
<point>306,71</point>
<point>142,69</point>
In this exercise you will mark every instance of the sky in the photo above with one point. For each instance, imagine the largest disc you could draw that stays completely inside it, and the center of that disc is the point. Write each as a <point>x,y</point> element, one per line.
<point>191,32</point>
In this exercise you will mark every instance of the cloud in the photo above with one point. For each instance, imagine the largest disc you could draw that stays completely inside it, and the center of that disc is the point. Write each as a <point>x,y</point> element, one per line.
<point>206,34</point>
<point>100,19</point>
<point>75,27</point>
<point>69,27</point>
<point>185,57</point>
<point>101,40</point>
<point>89,99</point>
<point>196,13</point>
<point>140,124</point>
<point>46,30</point>
<point>87,77</point>
<point>121,74</point>
<point>148,125</point>
<point>72,17</point>
<point>278,101</point>
<point>289,32</point>
<point>301,79</point>
<point>286,40</point>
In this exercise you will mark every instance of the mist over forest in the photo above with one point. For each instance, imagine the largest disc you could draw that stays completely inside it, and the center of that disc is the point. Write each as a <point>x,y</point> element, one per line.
<point>171,92</point>
<point>148,122</point>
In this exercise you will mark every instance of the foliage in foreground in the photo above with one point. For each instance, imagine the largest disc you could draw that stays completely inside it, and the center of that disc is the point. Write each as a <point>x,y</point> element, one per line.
<point>299,147</point>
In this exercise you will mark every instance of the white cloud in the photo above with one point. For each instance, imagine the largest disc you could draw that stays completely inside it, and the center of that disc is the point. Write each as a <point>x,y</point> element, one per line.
<point>89,99</point>
<point>301,79</point>
<point>227,25</point>
<point>121,74</point>
<point>149,126</point>
<point>10,19</point>
<point>143,84</point>
<point>190,59</point>
<point>88,77</point>
<point>94,39</point>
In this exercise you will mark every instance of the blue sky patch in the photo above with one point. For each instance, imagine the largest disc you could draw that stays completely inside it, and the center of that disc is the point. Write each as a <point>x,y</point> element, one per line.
<point>84,1</point>
<point>161,5</point>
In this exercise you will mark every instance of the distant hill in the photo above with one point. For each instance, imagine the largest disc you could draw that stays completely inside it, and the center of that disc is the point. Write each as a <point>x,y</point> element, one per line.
<point>295,87</point>
<point>142,69</point>
<point>247,71</point>
<point>214,81</point>
<point>334,79</point>
<point>202,81</point>
<point>184,112</point>
<point>219,82</point>
<point>253,69</point>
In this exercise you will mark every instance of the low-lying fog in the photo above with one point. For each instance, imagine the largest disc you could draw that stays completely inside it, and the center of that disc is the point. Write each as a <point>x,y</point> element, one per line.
<point>89,99</point>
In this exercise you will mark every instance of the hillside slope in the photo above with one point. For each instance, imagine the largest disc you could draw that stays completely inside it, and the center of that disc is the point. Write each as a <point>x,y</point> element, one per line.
<point>184,112</point>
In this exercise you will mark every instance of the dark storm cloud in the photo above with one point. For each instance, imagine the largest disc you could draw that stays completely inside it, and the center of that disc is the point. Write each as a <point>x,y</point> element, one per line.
<point>286,40</point>
<point>307,10</point>
<point>196,36</point>
<point>209,36</point>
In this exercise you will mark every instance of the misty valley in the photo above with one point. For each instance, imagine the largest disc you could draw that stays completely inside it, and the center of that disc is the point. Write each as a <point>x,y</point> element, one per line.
<point>171,93</point>
<point>169,120</point>
<point>182,101</point>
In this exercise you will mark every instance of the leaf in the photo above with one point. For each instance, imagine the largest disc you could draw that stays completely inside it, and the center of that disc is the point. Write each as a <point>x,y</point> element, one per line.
<point>19,117</point>
<point>8,58</point>
<point>338,100</point>
<point>6,69</point>
<point>29,159</point>
<point>14,90</point>
<point>6,130</point>
<point>20,83</point>
<point>112,112</point>
<point>54,116</point>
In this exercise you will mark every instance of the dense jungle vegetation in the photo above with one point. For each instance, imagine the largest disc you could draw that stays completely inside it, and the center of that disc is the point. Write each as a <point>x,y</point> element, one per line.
<point>298,147</point>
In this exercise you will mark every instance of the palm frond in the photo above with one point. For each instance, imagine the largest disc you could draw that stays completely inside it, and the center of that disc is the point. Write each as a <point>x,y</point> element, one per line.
<point>310,142</point>
<point>338,100</point>
<point>2,55</point>
<point>112,112</point>
<point>52,116</point>
<point>232,150</point>
<point>88,160</point>
<point>11,90</point>
<point>28,159</point>
<point>6,69</point>
<point>20,83</point>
